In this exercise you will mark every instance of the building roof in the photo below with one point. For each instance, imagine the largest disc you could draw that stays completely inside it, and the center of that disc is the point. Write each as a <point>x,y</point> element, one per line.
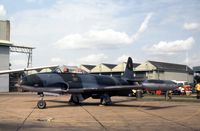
<point>89,67</point>
<point>196,69</point>
<point>135,65</point>
<point>10,44</point>
<point>171,67</point>
<point>22,47</point>
<point>109,65</point>
<point>5,43</point>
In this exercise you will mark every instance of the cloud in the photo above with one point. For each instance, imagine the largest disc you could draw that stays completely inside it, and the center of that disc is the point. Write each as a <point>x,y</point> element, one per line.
<point>35,1</point>
<point>62,18</point>
<point>164,47</point>
<point>101,38</point>
<point>56,59</point>
<point>143,27</point>
<point>191,26</point>
<point>2,11</point>
<point>122,58</point>
<point>30,1</point>
<point>94,39</point>
<point>93,59</point>
<point>102,20</point>
<point>61,61</point>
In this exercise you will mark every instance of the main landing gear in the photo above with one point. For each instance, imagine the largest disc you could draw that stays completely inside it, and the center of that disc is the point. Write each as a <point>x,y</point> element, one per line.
<point>74,99</point>
<point>41,103</point>
<point>168,95</point>
<point>105,100</point>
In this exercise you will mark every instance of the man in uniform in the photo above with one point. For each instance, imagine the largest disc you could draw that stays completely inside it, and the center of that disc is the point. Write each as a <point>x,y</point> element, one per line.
<point>197,87</point>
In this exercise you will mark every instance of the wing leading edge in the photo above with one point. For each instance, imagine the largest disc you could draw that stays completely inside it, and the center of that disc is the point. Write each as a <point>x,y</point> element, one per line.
<point>27,69</point>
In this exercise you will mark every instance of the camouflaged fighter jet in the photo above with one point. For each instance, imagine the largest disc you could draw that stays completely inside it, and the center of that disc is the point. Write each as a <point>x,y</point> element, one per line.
<point>83,86</point>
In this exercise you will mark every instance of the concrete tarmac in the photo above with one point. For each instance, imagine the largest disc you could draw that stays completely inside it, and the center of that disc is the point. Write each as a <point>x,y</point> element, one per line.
<point>18,112</point>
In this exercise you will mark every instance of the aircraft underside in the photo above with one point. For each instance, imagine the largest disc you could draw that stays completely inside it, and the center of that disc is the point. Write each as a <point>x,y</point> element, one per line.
<point>104,97</point>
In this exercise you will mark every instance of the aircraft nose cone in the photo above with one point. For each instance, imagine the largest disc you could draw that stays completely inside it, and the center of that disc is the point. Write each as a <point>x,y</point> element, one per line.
<point>24,81</point>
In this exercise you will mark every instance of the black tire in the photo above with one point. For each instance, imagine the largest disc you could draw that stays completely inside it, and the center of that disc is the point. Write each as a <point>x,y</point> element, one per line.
<point>138,94</point>
<point>74,100</point>
<point>41,104</point>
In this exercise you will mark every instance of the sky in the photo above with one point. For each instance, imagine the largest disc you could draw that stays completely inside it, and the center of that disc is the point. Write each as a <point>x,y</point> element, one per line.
<point>74,32</point>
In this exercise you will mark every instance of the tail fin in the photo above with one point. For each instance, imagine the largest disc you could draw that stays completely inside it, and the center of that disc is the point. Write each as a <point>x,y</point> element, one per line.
<point>128,73</point>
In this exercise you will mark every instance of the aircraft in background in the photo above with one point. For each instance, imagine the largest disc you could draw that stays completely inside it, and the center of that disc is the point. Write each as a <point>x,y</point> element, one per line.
<point>83,86</point>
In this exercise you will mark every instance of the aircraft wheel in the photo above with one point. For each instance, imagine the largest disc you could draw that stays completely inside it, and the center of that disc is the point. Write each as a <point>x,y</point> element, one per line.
<point>74,99</point>
<point>41,104</point>
<point>105,100</point>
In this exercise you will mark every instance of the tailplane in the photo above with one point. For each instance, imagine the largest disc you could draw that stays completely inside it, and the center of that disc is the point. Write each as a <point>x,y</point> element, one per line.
<point>128,73</point>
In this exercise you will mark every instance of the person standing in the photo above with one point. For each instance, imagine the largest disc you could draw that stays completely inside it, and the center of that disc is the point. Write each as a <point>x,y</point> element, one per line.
<point>197,87</point>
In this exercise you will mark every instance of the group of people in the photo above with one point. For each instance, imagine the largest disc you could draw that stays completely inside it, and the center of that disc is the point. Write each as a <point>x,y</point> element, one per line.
<point>197,87</point>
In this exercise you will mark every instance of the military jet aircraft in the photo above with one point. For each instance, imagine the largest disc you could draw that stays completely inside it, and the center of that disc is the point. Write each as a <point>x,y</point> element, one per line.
<point>83,86</point>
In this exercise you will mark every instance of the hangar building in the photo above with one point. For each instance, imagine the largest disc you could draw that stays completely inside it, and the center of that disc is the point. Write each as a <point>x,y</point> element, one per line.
<point>87,68</point>
<point>146,70</point>
<point>107,69</point>
<point>164,71</point>
<point>103,69</point>
<point>5,48</point>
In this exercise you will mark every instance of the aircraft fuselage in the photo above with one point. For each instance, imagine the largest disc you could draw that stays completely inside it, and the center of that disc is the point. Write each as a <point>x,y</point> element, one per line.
<point>73,83</point>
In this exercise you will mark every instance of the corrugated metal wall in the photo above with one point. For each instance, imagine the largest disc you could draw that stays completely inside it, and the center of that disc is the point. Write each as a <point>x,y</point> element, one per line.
<point>149,69</point>
<point>4,65</point>
<point>4,55</point>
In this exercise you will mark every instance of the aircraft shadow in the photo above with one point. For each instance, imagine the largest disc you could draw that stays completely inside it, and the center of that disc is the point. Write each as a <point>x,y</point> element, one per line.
<point>93,103</point>
<point>145,107</point>
<point>115,104</point>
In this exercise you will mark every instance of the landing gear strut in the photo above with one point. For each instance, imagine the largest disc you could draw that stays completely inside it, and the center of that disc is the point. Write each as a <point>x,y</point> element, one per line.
<point>105,100</point>
<point>168,95</point>
<point>41,103</point>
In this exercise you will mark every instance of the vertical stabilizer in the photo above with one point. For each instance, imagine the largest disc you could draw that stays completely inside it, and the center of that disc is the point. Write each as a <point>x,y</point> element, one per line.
<point>128,73</point>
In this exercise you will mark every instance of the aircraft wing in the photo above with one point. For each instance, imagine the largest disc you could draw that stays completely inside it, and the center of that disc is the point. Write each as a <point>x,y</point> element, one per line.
<point>106,88</point>
<point>27,69</point>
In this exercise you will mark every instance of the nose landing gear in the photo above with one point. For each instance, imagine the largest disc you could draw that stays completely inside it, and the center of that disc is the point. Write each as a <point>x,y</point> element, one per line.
<point>41,103</point>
